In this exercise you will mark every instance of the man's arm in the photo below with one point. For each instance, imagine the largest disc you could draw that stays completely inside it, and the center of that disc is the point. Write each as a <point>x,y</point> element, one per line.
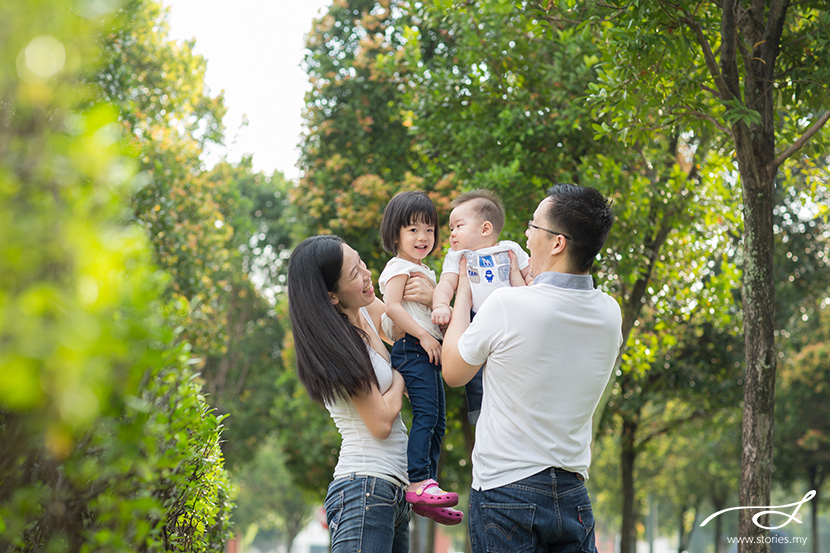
<point>458,372</point>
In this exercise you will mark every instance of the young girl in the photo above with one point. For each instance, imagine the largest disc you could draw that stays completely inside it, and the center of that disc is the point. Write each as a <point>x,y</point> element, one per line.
<point>408,230</point>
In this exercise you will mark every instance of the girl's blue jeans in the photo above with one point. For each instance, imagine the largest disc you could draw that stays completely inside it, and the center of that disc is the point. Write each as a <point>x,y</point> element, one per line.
<point>367,514</point>
<point>425,387</point>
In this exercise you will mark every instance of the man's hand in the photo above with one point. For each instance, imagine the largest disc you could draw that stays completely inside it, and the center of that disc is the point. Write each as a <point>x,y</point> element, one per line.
<point>463,294</point>
<point>456,371</point>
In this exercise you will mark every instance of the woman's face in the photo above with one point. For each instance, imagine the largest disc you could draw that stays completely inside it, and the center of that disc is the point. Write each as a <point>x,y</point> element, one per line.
<point>354,289</point>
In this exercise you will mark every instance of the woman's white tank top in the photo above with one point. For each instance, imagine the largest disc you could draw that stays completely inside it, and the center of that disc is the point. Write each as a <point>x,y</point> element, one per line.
<point>360,452</point>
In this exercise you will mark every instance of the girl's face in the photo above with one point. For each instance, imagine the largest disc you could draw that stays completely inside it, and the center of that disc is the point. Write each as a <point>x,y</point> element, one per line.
<point>415,241</point>
<point>354,289</point>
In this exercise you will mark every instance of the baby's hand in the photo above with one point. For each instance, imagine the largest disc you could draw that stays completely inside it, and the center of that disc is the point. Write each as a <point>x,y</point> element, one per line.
<point>433,349</point>
<point>441,315</point>
<point>516,278</point>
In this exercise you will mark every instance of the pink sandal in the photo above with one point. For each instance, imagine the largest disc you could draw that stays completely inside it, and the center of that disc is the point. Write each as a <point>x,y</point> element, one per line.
<point>422,497</point>
<point>441,515</point>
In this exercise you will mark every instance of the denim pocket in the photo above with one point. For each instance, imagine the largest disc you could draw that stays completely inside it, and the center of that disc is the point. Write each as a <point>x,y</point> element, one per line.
<point>406,350</point>
<point>380,493</point>
<point>586,517</point>
<point>508,527</point>
<point>334,510</point>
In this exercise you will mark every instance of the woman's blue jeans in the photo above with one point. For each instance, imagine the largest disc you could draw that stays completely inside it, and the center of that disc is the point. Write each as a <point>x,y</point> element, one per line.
<point>367,514</point>
<point>549,511</point>
<point>425,388</point>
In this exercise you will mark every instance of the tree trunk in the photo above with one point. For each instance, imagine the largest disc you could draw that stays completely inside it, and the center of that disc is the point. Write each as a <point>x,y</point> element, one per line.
<point>718,533</point>
<point>628,455</point>
<point>681,531</point>
<point>416,544</point>
<point>432,528</point>
<point>814,533</point>
<point>753,32</point>
<point>758,294</point>
<point>815,476</point>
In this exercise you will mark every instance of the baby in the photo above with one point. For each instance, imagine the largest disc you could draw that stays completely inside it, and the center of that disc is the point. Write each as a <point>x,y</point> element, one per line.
<point>476,220</point>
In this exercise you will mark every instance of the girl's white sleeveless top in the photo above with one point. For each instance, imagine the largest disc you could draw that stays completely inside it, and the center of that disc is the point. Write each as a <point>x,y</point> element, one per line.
<point>360,452</point>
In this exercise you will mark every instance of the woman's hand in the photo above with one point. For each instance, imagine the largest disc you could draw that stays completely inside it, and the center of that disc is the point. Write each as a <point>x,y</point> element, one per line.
<point>419,289</point>
<point>379,411</point>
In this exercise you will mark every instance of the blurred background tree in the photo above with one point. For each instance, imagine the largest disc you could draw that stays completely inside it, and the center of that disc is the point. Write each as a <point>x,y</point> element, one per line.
<point>109,443</point>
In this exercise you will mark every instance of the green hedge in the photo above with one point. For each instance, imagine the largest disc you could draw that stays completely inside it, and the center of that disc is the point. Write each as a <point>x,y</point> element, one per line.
<point>106,443</point>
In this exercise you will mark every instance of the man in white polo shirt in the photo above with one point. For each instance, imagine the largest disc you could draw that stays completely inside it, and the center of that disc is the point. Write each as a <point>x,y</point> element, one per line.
<point>549,349</point>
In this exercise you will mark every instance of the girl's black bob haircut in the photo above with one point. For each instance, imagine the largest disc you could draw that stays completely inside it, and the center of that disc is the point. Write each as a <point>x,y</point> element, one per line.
<point>404,209</point>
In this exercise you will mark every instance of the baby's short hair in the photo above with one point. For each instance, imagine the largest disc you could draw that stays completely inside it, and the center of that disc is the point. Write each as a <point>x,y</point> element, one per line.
<point>487,205</point>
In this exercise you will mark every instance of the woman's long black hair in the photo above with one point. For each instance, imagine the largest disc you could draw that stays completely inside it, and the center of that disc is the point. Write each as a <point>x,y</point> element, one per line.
<point>332,359</point>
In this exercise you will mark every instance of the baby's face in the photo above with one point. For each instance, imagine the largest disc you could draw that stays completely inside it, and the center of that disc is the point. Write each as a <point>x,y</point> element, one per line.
<point>465,228</point>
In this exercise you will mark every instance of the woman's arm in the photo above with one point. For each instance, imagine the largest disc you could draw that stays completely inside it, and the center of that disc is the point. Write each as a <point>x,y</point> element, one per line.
<point>375,311</point>
<point>379,411</point>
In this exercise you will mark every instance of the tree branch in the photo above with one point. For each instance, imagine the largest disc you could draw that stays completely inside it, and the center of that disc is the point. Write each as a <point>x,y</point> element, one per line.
<point>723,91</point>
<point>712,120</point>
<point>802,140</point>
<point>710,90</point>
<point>668,427</point>
<point>728,70</point>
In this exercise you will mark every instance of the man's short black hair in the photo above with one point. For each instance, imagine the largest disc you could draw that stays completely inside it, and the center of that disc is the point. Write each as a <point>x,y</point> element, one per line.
<point>585,215</point>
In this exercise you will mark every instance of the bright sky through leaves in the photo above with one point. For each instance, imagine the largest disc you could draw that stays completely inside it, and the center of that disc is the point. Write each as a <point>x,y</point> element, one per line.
<point>253,49</point>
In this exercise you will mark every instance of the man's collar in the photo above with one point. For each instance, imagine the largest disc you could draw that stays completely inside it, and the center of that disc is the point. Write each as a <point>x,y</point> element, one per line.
<point>565,280</point>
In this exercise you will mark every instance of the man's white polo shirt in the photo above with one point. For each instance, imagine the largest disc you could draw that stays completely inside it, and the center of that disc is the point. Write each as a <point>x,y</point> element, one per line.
<point>549,349</point>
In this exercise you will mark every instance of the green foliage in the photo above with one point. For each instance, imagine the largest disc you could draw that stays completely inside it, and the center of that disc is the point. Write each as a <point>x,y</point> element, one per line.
<point>158,84</point>
<point>356,152</point>
<point>268,499</point>
<point>803,260</point>
<point>308,435</point>
<point>108,443</point>
<point>803,410</point>
<point>241,377</point>
<point>656,71</point>
<point>495,96</point>
<point>222,234</point>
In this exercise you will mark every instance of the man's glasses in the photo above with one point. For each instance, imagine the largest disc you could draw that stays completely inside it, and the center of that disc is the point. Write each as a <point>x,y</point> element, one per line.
<point>530,225</point>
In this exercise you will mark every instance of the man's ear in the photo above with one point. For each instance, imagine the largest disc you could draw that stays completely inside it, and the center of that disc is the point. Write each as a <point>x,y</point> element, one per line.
<point>486,228</point>
<point>558,244</point>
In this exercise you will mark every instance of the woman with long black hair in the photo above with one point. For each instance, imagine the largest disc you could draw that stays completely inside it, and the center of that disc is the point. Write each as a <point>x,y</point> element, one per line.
<point>343,364</point>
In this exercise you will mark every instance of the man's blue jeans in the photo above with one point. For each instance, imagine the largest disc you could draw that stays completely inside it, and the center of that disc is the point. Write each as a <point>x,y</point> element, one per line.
<point>425,387</point>
<point>548,512</point>
<point>367,514</point>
